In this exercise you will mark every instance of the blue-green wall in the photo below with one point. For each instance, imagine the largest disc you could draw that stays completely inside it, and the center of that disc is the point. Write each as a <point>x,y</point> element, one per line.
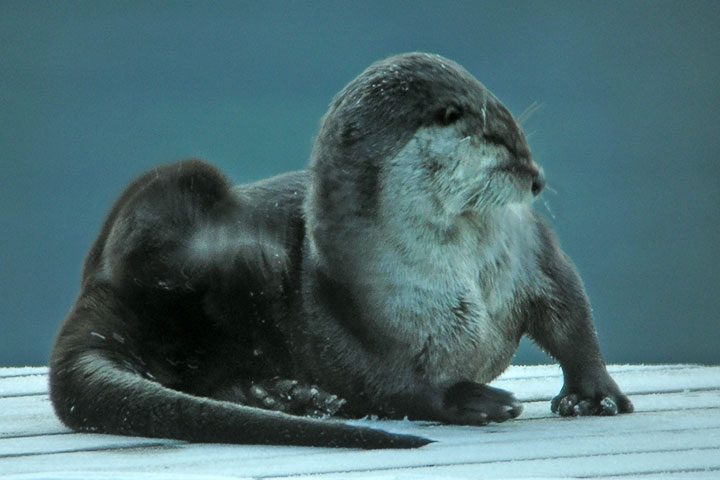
<point>93,93</point>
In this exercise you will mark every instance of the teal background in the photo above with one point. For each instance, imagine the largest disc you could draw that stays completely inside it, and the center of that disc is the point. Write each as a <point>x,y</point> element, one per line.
<point>94,93</point>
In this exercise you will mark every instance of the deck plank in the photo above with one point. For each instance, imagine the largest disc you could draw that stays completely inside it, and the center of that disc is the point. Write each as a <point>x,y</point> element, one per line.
<point>675,431</point>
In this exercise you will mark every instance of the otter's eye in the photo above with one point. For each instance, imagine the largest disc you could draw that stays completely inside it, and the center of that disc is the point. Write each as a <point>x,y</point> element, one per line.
<point>449,115</point>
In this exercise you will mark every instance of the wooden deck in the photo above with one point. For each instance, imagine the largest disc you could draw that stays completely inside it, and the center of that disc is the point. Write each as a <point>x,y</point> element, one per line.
<point>674,433</point>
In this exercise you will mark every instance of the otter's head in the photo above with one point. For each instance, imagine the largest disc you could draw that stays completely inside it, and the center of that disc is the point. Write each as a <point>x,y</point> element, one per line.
<point>418,134</point>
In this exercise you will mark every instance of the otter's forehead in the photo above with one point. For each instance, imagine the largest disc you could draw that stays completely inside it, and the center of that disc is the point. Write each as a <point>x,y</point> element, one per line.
<point>413,85</point>
<point>423,70</point>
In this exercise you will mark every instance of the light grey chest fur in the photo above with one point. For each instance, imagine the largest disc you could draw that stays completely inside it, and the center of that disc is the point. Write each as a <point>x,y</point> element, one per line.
<point>454,305</point>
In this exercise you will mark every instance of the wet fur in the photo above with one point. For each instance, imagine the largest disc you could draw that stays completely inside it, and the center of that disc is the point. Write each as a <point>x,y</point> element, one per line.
<point>398,273</point>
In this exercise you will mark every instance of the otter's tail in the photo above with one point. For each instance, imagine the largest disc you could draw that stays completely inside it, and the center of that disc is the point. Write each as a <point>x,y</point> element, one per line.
<point>94,393</point>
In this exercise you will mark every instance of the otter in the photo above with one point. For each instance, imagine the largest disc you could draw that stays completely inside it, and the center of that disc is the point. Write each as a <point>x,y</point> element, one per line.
<point>394,277</point>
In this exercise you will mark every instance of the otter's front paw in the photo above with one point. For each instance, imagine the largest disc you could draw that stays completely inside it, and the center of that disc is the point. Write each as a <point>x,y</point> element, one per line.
<point>472,403</point>
<point>591,398</point>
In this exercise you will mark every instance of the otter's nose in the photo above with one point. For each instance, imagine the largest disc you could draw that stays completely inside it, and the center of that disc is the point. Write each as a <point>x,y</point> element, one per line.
<point>538,184</point>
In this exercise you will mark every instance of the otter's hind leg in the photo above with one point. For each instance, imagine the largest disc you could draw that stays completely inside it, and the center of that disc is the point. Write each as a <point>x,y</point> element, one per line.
<point>478,404</point>
<point>464,403</point>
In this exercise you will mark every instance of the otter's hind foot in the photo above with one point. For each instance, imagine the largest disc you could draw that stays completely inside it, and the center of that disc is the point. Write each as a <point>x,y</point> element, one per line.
<point>478,404</point>
<point>283,395</point>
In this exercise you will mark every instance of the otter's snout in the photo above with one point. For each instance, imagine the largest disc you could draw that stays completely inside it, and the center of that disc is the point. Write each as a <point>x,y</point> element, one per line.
<point>538,183</point>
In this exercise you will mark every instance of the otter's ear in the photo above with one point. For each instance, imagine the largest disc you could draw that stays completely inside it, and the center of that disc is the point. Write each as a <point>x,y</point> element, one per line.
<point>349,133</point>
<point>449,115</point>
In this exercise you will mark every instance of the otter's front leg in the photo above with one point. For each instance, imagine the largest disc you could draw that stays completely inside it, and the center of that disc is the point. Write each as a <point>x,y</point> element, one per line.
<point>561,323</point>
